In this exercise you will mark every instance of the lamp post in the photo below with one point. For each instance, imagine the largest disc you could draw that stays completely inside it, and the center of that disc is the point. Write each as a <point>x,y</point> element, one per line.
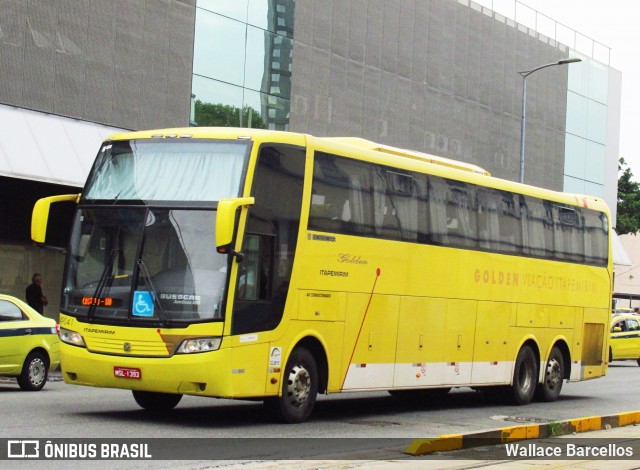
<point>524,76</point>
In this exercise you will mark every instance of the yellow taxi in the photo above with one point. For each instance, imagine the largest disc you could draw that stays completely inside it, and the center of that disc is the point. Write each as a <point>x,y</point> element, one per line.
<point>621,311</point>
<point>29,344</point>
<point>625,338</point>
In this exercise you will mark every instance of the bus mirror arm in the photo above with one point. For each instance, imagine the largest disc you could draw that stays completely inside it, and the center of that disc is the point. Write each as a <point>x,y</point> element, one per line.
<point>238,256</point>
<point>228,250</point>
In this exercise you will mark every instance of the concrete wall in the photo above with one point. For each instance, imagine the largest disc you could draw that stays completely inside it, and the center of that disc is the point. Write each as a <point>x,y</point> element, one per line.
<point>435,76</point>
<point>124,63</point>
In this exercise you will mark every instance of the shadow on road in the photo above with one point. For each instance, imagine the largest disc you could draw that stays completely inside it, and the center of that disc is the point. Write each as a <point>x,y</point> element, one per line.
<point>378,410</point>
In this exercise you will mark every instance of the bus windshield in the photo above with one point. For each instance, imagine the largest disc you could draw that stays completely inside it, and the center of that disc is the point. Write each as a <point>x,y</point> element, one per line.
<point>144,264</point>
<point>167,170</point>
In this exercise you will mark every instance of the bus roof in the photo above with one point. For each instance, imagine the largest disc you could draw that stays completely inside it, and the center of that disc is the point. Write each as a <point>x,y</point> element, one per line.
<point>413,154</point>
<point>209,133</point>
<point>236,132</point>
<point>294,138</point>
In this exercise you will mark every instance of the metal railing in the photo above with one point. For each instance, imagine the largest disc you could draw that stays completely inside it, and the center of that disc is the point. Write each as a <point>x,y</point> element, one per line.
<point>529,21</point>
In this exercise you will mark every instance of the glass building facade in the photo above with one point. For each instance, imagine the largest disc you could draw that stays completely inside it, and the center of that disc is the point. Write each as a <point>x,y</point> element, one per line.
<point>242,63</point>
<point>586,131</point>
<point>438,76</point>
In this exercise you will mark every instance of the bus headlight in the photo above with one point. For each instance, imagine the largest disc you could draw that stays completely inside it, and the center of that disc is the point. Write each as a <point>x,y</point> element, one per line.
<point>71,337</point>
<point>199,345</point>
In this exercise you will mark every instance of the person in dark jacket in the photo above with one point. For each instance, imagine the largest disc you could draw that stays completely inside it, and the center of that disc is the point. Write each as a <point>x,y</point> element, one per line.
<point>35,297</point>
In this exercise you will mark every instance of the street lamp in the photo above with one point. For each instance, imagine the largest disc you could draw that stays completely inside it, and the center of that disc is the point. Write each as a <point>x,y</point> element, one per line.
<point>524,76</point>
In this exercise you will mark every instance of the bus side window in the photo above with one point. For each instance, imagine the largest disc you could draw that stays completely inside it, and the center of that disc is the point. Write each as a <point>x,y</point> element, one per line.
<point>595,237</point>
<point>437,211</point>
<point>385,214</point>
<point>421,200</point>
<point>254,278</point>
<point>510,225</point>
<point>538,231</point>
<point>452,213</point>
<point>569,237</point>
<point>396,204</point>
<point>341,200</point>
<point>488,219</point>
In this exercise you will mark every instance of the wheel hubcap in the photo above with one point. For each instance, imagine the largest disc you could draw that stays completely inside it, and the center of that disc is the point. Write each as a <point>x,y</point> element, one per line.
<point>299,386</point>
<point>554,374</point>
<point>36,372</point>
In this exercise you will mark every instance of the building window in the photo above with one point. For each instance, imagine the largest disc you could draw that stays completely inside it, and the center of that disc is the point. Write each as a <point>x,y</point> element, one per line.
<point>242,63</point>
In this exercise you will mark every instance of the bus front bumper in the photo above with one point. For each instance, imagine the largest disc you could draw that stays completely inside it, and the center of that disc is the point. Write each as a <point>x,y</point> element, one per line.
<point>193,374</point>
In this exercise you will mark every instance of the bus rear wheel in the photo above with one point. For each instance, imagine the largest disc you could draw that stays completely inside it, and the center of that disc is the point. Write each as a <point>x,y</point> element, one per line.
<point>525,377</point>
<point>549,389</point>
<point>154,401</point>
<point>299,389</point>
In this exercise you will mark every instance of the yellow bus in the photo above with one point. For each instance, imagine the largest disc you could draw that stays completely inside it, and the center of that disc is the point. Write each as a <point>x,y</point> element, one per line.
<point>255,264</point>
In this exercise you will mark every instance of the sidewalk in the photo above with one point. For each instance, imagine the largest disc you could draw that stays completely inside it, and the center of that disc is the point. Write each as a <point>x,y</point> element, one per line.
<point>486,457</point>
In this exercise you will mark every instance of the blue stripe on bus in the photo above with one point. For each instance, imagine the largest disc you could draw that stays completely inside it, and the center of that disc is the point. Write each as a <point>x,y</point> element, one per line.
<point>45,330</point>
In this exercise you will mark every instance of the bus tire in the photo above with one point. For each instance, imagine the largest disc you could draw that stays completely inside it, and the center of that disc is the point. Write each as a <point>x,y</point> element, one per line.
<point>35,371</point>
<point>549,389</point>
<point>525,377</point>
<point>155,401</point>
<point>299,389</point>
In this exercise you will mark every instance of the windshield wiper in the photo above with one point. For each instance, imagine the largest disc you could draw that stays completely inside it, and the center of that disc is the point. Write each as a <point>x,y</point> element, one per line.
<point>101,284</point>
<point>147,277</point>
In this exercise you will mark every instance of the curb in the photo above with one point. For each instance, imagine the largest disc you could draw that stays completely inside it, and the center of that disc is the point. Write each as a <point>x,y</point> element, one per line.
<point>449,442</point>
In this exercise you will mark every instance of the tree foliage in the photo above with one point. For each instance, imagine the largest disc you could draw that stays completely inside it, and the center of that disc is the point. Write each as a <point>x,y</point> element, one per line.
<point>628,220</point>
<point>224,115</point>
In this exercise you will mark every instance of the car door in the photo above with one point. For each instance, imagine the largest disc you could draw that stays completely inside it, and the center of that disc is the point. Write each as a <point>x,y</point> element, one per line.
<point>633,338</point>
<point>619,338</point>
<point>14,330</point>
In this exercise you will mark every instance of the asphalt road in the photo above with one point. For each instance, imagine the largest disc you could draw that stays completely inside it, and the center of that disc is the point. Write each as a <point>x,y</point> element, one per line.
<point>65,411</point>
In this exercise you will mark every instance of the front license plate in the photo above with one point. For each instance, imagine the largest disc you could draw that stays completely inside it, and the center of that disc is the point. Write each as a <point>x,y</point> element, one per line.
<point>127,373</point>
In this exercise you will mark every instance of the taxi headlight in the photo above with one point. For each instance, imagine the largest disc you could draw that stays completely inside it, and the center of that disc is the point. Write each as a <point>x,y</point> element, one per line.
<point>71,337</point>
<point>199,345</point>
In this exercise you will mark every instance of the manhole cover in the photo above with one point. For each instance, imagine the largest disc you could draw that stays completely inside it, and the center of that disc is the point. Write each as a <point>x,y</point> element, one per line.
<point>520,419</point>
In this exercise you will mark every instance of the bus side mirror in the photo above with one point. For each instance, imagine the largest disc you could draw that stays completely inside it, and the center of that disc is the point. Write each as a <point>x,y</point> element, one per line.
<point>40,215</point>
<point>226,222</point>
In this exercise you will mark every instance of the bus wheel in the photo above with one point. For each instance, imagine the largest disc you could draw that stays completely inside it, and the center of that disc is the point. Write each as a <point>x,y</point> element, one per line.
<point>299,389</point>
<point>34,372</point>
<point>549,389</point>
<point>525,377</point>
<point>153,401</point>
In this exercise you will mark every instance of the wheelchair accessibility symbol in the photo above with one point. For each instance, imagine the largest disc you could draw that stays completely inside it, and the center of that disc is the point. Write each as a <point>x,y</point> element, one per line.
<point>142,303</point>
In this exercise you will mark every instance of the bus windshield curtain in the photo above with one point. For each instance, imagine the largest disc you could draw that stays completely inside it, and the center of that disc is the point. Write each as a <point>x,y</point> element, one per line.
<point>155,172</point>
